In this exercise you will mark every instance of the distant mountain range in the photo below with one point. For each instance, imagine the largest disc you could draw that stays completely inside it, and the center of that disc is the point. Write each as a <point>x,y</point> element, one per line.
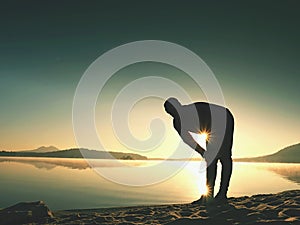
<point>54,152</point>
<point>44,149</point>
<point>290,154</point>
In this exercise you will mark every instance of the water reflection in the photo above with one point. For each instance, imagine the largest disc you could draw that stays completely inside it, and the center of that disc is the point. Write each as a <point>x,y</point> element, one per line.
<point>80,164</point>
<point>287,171</point>
<point>48,163</point>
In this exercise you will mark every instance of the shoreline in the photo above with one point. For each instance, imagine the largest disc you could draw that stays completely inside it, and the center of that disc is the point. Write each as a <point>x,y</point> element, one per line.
<point>237,160</point>
<point>280,208</point>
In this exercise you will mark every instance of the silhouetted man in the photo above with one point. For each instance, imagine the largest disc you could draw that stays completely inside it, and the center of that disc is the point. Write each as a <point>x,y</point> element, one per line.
<point>196,118</point>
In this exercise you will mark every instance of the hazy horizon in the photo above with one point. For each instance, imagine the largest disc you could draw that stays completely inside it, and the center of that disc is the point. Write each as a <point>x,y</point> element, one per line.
<point>193,156</point>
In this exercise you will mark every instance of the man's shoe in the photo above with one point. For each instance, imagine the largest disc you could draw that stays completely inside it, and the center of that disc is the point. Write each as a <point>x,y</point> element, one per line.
<point>203,200</point>
<point>220,199</point>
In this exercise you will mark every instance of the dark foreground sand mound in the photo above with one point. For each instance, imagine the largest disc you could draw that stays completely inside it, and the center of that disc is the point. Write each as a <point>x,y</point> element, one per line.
<point>26,213</point>
<point>282,208</point>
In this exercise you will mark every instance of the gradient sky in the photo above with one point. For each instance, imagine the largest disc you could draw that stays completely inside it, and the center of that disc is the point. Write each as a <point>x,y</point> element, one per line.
<point>251,46</point>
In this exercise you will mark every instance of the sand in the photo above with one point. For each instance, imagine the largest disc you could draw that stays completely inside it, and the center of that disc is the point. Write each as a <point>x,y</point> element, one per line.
<point>282,208</point>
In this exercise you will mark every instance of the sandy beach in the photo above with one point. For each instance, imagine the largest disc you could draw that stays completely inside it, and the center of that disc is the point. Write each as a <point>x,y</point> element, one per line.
<point>280,208</point>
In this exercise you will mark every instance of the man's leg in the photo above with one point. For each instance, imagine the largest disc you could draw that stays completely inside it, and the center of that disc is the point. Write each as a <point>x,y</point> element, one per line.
<point>226,162</point>
<point>211,173</point>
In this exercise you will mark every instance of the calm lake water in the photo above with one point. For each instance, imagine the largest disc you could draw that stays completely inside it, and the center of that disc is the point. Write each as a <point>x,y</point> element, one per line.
<point>71,183</point>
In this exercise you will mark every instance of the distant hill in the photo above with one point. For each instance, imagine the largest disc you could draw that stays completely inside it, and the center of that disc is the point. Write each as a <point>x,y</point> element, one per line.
<point>76,153</point>
<point>43,149</point>
<point>290,154</point>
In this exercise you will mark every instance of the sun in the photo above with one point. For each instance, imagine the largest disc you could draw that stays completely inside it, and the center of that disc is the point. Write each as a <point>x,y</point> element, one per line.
<point>201,138</point>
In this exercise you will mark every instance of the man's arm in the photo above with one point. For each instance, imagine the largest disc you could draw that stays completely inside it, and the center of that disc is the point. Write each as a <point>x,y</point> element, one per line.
<point>188,139</point>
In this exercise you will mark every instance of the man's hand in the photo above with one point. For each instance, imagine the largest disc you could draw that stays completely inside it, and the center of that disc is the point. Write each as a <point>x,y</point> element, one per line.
<point>200,150</point>
<point>188,139</point>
